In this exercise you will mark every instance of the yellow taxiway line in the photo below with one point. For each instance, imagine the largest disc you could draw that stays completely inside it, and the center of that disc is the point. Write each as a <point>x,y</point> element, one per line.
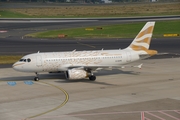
<point>61,105</point>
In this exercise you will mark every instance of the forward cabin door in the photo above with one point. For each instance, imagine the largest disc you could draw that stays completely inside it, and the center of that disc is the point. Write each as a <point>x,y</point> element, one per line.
<point>38,61</point>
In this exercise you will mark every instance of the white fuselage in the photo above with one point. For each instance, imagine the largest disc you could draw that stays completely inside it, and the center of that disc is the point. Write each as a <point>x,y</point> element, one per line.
<point>81,64</point>
<point>62,61</point>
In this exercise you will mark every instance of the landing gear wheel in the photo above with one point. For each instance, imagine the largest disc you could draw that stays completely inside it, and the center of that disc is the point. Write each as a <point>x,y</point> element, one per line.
<point>36,79</point>
<point>92,78</point>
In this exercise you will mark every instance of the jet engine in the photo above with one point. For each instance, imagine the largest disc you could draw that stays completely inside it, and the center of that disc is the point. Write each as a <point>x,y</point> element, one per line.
<point>73,74</point>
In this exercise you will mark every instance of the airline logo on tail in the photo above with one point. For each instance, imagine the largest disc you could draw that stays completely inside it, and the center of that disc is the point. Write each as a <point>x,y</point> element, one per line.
<point>143,39</point>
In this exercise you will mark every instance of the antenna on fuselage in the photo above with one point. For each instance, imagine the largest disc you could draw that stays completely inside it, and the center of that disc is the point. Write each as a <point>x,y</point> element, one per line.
<point>38,52</point>
<point>74,50</point>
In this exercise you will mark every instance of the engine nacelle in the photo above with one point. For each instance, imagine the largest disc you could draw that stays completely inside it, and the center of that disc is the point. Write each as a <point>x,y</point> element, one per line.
<point>73,74</point>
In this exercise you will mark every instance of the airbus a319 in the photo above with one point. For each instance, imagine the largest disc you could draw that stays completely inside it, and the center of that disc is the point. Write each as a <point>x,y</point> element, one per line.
<point>82,64</point>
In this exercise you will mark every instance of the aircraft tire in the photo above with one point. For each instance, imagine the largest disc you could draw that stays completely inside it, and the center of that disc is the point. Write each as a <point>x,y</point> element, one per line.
<point>92,78</point>
<point>36,79</point>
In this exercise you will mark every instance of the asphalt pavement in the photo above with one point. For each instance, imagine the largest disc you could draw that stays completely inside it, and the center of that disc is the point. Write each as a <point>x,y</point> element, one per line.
<point>17,46</point>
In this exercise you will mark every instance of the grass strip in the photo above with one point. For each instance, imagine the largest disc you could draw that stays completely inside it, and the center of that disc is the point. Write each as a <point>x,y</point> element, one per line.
<point>9,59</point>
<point>10,14</point>
<point>129,30</point>
<point>101,10</point>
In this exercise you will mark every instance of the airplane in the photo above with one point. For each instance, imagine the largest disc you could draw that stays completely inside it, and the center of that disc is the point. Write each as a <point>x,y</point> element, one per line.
<point>82,64</point>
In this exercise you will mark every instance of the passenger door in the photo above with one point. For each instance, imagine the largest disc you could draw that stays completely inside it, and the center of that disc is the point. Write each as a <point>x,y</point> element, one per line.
<point>128,56</point>
<point>38,61</point>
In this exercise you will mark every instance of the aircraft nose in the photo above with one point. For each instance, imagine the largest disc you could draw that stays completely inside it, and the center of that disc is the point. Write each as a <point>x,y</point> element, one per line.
<point>17,66</point>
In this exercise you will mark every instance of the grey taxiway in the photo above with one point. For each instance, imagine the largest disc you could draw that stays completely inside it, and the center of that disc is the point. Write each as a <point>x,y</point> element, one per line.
<point>128,93</point>
<point>121,94</point>
<point>116,94</point>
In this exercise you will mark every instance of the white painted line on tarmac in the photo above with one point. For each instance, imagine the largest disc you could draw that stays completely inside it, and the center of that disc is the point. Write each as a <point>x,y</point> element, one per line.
<point>61,105</point>
<point>155,115</point>
<point>177,111</point>
<point>3,31</point>
<point>169,115</point>
<point>110,113</point>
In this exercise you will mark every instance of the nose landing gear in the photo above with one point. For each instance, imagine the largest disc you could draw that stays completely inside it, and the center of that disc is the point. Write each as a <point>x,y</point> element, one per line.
<point>36,78</point>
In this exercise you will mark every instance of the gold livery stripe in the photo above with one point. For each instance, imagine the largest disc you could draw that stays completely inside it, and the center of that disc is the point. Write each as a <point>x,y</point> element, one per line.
<point>147,31</point>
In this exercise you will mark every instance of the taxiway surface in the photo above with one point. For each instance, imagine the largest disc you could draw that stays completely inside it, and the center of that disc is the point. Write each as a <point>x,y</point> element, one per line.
<point>117,94</point>
<point>26,46</point>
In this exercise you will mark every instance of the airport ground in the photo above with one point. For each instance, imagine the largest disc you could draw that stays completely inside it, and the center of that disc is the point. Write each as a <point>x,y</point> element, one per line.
<point>121,94</point>
<point>115,95</point>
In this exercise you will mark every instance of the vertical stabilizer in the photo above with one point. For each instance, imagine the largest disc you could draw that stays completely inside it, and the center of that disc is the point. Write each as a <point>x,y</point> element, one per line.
<point>143,39</point>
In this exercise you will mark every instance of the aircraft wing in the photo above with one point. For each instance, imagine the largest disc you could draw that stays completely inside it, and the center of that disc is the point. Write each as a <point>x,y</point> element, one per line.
<point>96,68</point>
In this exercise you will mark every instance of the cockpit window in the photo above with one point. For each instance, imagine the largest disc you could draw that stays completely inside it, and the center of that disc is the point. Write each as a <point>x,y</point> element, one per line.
<point>25,60</point>
<point>29,60</point>
<point>21,60</point>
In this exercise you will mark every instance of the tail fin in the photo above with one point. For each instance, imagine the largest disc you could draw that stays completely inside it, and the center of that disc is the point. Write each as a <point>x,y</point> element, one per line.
<point>143,39</point>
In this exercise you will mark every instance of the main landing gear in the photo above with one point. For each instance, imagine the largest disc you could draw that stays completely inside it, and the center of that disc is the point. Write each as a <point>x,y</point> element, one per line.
<point>36,78</point>
<point>92,77</point>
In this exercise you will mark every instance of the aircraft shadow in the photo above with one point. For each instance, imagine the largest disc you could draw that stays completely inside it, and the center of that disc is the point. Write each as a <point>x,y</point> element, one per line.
<point>100,73</point>
<point>62,79</point>
<point>115,71</point>
<point>41,76</point>
<point>20,78</point>
<point>84,81</point>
